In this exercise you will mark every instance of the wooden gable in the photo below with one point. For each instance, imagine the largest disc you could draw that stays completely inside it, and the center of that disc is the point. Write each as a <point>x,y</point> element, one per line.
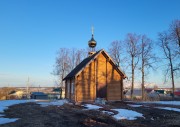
<point>98,78</point>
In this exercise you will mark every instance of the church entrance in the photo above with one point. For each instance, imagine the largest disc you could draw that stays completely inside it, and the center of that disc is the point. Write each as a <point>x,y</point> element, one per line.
<point>101,91</point>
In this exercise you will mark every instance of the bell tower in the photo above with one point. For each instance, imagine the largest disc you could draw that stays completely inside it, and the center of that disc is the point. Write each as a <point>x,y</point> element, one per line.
<point>92,43</point>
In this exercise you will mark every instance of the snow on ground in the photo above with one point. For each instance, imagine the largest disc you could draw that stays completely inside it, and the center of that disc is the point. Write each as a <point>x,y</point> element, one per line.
<point>91,107</point>
<point>1,115</point>
<point>7,120</point>
<point>108,112</point>
<point>169,108</point>
<point>122,113</point>
<point>135,106</point>
<point>55,103</point>
<point>162,102</point>
<point>5,104</point>
<point>126,114</point>
<point>2,108</point>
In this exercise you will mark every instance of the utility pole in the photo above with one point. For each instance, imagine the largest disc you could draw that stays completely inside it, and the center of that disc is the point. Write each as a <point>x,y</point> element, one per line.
<point>27,88</point>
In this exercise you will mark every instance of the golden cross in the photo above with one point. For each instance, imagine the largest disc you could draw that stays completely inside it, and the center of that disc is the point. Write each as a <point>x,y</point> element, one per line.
<point>92,30</point>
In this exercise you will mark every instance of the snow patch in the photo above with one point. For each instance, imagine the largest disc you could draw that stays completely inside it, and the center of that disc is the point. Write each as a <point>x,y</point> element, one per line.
<point>122,113</point>
<point>91,107</point>
<point>108,112</point>
<point>6,103</point>
<point>163,102</point>
<point>135,106</point>
<point>126,114</point>
<point>55,103</point>
<point>2,108</point>
<point>7,120</point>
<point>169,108</point>
<point>152,118</point>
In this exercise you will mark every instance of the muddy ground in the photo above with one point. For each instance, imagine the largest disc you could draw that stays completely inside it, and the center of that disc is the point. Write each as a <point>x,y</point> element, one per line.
<point>69,115</point>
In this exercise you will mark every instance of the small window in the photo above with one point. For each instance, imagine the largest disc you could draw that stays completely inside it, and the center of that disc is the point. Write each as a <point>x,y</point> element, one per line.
<point>72,88</point>
<point>68,87</point>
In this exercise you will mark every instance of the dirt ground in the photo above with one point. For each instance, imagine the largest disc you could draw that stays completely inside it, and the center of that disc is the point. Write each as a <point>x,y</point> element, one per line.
<point>69,115</point>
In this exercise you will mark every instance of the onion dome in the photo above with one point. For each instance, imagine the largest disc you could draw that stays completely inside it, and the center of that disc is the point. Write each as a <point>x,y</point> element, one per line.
<point>92,42</point>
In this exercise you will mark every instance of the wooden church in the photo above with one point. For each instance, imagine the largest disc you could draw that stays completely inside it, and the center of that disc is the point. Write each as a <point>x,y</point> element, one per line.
<point>97,76</point>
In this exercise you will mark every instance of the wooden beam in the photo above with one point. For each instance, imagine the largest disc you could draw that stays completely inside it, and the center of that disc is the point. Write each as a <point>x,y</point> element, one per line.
<point>75,89</point>
<point>107,60</point>
<point>66,89</point>
<point>70,89</point>
<point>122,89</point>
<point>94,79</point>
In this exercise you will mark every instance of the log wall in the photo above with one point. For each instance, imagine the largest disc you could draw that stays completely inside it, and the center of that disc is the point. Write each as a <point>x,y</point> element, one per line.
<point>114,90</point>
<point>85,84</point>
<point>99,73</point>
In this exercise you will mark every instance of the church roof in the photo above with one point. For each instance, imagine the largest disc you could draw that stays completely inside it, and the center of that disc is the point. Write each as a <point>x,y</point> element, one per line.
<point>79,68</point>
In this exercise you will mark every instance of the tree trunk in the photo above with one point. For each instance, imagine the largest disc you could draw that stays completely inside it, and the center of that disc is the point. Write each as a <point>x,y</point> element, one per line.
<point>172,74</point>
<point>142,70</point>
<point>143,81</point>
<point>62,77</point>
<point>132,85</point>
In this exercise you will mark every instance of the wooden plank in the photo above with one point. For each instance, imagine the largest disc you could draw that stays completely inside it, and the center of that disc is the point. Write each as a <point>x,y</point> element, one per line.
<point>114,86</point>
<point>113,98</point>
<point>86,86</point>
<point>66,89</point>
<point>75,88</point>
<point>84,98</point>
<point>116,94</point>
<point>122,94</point>
<point>70,90</point>
<point>83,90</point>
<point>113,90</point>
<point>85,94</point>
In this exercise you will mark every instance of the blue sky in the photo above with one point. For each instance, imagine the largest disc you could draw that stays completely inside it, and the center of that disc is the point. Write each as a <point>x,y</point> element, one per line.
<point>32,31</point>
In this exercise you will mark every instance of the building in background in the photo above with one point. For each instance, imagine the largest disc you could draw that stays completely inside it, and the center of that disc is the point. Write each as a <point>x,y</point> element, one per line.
<point>38,95</point>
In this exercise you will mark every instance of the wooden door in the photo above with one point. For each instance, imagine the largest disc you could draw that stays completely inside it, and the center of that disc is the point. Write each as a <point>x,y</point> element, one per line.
<point>101,90</point>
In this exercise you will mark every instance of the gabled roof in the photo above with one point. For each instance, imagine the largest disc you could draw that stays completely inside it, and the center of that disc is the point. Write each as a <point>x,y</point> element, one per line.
<point>86,62</point>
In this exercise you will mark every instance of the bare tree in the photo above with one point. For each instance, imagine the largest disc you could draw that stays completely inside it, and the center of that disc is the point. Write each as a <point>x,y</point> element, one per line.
<point>76,56</point>
<point>175,31</point>
<point>175,38</point>
<point>66,60</point>
<point>132,47</point>
<point>80,55</point>
<point>147,58</point>
<point>165,43</point>
<point>62,65</point>
<point>73,58</point>
<point>115,51</point>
